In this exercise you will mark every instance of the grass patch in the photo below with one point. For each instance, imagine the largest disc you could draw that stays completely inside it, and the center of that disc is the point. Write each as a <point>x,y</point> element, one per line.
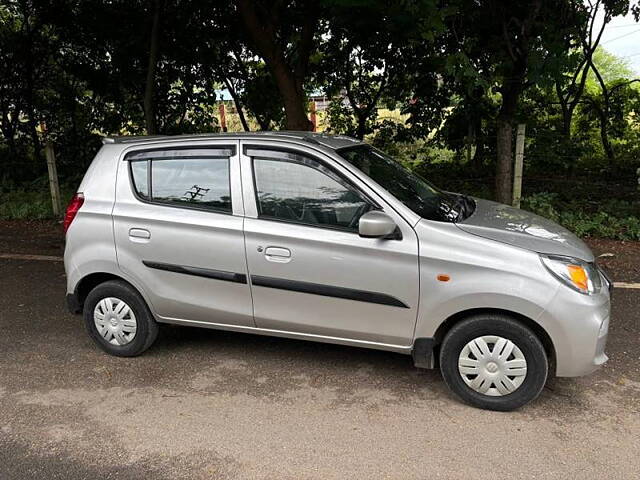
<point>24,204</point>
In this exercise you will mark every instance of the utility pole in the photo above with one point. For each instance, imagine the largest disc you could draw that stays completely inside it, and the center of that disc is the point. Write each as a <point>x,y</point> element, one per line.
<point>223,117</point>
<point>313,115</point>
<point>53,179</point>
<point>517,171</point>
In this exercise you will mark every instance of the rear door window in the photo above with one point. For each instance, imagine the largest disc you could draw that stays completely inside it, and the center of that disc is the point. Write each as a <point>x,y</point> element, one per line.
<point>140,174</point>
<point>190,181</point>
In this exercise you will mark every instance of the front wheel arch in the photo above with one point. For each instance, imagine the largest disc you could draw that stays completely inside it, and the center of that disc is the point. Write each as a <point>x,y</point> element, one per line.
<point>537,329</point>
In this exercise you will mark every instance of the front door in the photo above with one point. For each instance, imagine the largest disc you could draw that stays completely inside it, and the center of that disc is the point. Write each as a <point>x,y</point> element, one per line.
<point>178,232</point>
<point>310,271</point>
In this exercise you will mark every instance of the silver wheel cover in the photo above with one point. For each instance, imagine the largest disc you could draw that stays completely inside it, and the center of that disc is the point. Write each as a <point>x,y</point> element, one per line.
<point>115,321</point>
<point>492,365</point>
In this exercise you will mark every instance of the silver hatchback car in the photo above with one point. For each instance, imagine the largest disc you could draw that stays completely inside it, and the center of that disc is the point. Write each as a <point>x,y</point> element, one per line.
<point>325,238</point>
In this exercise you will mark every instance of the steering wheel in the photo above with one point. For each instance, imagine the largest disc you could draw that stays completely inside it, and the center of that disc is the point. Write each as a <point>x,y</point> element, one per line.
<point>284,211</point>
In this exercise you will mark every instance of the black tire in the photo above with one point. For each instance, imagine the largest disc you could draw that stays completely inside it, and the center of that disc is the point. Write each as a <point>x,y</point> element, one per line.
<point>510,329</point>
<point>147,328</point>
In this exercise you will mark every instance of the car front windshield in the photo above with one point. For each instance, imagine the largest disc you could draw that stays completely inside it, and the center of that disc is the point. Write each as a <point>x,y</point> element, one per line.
<point>416,193</point>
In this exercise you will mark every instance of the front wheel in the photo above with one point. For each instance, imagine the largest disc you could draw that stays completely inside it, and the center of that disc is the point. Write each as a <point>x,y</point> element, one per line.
<point>493,362</point>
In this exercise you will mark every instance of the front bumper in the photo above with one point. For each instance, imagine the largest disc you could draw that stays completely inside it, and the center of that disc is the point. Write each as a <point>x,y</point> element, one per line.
<point>578,326</point>
<point>601,356</point>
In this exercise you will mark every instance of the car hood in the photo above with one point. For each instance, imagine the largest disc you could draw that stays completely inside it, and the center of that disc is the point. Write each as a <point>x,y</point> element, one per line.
<point>523,229</point>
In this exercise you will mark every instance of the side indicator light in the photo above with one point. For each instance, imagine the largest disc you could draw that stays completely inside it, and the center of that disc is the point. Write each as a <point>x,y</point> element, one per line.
<point>443,278</point>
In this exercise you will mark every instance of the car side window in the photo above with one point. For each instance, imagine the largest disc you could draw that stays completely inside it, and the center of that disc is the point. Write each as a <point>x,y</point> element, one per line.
<point>140,174</point>
<point>190,182</point>
<point>298,189</point>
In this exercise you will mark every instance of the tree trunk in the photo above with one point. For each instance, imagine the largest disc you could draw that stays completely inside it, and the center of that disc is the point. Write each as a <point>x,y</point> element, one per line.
<point>603,113</point>
<point>150,86</point>
<point>604,137</point>
<point>478,136</point>
<point>504,146</point>
<point>289,78</point>
<point>362,126</point>
<point>292,97</point>
<point>243,119</point>
<point>237,103</point>
<point>566,123</point>
<point>504,160</point>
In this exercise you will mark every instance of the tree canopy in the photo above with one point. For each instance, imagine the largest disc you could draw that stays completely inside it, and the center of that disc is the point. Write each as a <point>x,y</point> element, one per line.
<point>458,73</point>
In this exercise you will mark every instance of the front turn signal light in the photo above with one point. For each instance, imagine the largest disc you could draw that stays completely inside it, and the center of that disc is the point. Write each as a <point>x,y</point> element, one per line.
<point>577,274</point>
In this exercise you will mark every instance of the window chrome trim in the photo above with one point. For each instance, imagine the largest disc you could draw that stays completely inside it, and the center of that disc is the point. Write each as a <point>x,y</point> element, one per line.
<point>191,151</point>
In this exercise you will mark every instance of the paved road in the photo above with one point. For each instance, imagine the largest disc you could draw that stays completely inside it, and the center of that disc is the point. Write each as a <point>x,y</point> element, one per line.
<point>206,404</point>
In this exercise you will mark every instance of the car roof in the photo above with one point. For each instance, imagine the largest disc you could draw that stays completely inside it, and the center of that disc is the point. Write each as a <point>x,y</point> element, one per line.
<point>330,141</point>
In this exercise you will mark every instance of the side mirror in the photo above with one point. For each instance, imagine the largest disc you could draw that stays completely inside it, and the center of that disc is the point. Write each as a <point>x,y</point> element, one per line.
<point>376,224</point>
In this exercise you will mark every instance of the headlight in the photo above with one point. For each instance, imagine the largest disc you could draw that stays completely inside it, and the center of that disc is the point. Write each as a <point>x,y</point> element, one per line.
<point>577,274</point>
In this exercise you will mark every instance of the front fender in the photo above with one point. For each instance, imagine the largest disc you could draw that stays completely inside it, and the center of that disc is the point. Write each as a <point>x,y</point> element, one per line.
<point>480,274</point>
<point>456,305</point>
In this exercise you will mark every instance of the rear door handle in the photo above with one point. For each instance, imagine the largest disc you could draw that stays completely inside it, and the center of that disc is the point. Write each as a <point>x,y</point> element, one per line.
<point>277,254</point>
<point>139,234</point>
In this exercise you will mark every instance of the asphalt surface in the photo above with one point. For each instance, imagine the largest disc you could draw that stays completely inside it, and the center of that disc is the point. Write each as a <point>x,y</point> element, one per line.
<point>216,405</point>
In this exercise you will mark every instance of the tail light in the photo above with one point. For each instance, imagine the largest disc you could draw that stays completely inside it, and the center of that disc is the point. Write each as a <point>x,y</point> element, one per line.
<point>72,209</point>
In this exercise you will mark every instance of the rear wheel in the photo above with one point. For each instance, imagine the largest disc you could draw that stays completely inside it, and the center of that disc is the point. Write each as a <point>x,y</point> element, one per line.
<point>493,362</point>
<point>118,319</point>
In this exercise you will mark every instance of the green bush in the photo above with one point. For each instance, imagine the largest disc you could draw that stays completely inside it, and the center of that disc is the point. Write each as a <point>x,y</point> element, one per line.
<point>614,219</point>
<point>544,204</point>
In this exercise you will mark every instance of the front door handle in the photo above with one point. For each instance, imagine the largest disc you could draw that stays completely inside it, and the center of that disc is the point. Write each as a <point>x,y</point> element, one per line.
<point>277,254</point>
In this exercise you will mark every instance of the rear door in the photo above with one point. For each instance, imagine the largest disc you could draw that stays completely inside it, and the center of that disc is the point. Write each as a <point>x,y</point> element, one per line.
<point>178,231</point>
<point>311,272</point>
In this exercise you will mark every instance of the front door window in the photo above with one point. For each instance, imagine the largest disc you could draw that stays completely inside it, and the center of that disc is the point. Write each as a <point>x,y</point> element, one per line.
<point>302,190</point>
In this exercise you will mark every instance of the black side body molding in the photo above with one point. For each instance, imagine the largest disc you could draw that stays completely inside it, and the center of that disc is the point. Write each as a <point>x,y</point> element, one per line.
<point>327,291</point>
<point>199,272</point>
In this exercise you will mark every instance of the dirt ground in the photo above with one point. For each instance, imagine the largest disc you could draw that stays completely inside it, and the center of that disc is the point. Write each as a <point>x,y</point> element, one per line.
<point>620,259</point>
<point>38,237</point>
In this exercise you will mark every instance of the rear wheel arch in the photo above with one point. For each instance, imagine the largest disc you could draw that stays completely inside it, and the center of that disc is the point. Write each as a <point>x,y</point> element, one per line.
<point>91,281</point>
<point>534,326</point>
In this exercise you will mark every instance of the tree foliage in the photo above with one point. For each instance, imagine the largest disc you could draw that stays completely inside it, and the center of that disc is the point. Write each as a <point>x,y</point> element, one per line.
<point>459,73</point>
